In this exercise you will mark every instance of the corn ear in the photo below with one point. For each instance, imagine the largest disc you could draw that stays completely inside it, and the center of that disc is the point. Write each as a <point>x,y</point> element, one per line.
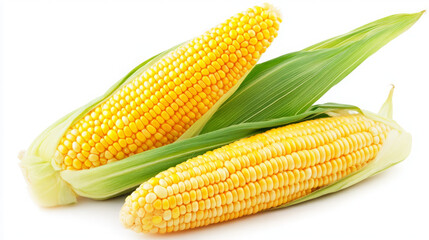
<point>152,106</point>
<point>276,168</point>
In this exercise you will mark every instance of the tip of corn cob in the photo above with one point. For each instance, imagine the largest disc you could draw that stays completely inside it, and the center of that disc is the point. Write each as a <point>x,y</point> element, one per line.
<point>272,9</point>
<point>396,147</point>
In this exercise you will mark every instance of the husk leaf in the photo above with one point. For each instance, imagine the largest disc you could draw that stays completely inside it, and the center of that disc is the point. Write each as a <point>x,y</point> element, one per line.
<point>291,83</point>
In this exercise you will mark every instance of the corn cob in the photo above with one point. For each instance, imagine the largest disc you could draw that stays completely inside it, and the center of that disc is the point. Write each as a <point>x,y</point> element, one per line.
<point>254,174</point>
<point>160,104</point>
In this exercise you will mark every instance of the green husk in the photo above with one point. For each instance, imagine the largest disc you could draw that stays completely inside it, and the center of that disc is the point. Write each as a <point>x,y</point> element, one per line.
<point>291,83</point>
<point>279,91</point>
<point>394,150</point>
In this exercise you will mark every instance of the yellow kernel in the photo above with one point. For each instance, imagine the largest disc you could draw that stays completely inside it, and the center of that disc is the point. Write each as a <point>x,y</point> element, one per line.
<point>157,204</point>
<point>175,212</point>
<point>93,157</point>
<point>151,129</point>
<point>77,164</point>
<point>76,147</point>
<point>156,219</point>
<point>99,147</point>
<point>150,197</point>
<point>86,147</point>
<point>230,167</point>
<point>165,204</point>
<point>160,191</point>
<point>119,123</point>
<point>167,215</point>
<point>112,135</point>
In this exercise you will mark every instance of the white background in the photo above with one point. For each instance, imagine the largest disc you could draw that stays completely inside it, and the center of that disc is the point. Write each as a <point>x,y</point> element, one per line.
<point>58,55</point>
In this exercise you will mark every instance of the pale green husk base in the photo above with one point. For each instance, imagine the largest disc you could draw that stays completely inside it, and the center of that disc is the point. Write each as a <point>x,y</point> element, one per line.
<point>37,164</point>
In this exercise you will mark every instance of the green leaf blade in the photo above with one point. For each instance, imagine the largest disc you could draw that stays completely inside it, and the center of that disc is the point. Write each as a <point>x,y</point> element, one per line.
<point>291,83</point>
